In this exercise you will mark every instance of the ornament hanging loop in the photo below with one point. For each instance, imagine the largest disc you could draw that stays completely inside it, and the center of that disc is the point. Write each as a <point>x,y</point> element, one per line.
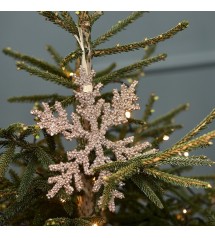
<point>84,42</point>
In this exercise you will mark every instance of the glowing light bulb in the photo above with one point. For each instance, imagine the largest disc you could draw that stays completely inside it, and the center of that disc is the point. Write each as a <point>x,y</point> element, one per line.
<point>71,74</point>
<point>209,186</point>
<point>184,211</point>
<point>186,154</point>
<point>128,114</point>
<point>165,137</point>
<point>62,200</point>
<point>95,224</point>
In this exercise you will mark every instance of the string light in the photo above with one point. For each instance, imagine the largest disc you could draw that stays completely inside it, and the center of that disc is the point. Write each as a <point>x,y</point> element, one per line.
<point>128,114</point>
<point>62,200</point>
<point>25,128</point>
<point>186,154</point>
<point>95,224</point>
<point>184,211</point>
<point>71,74</point>
<point>165,137</point>
<point>209,186</point>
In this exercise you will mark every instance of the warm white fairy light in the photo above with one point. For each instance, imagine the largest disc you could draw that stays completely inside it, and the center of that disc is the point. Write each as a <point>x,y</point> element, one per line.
<point>209,186</point>
<point>165,137</point>
<point>62,200</point>
<point>94,224</point>
<point>71,74</point>
<point>128,114</point>
<point>184,211</point>
<point>186,154</point>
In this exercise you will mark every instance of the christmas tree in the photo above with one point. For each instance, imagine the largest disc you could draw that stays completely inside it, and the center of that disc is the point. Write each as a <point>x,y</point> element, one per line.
<point>116,173</point>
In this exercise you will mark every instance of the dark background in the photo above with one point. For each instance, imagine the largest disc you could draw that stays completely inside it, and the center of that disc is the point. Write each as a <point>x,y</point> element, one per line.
<point>188,74</point>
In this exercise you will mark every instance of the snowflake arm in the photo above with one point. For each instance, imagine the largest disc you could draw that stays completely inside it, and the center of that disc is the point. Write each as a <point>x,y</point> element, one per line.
<point>67,170</point>
<point>48,121</point>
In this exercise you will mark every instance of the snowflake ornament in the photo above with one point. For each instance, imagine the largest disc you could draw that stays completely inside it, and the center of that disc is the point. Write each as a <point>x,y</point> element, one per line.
<point>89,110</point>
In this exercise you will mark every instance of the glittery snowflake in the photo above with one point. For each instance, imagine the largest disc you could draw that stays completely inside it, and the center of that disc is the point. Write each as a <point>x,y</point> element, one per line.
<point>90,122</point>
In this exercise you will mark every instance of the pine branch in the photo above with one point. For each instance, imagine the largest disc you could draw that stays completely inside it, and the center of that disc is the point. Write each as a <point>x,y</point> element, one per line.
<point>28,130</point>
<point>142,44</point>
<point>41,184</point>
<point>69,23</point>
<point>7,194</point>
<point>202,141</point>
<point>26,179</point>
<point>5,158</point>
<point>38,98</point>
<point>59,221</point>
<point>113,166</point>
<point>50,141</point>
<point>187,161</point>
<point>160,131</point>
<point>64,20</point>
<point>95,16</point>
<point>176,180</point>
<point>8,132</point>
<point>144,186</point>
<point>43,157</point>
<point>169,115</point>
<point>114,179</point>
<point>46,75</point>
<point>68,206</point>
<point>118,74</point>
<point>117,28</point>
<point>56,57</point>
<point>68,101</point>
<point>14,177</point>
<point>70,57</point>
<point>106,71</point>
<point>148,110</point>
<point>202,125</point>
<point>18,207</point>
<point>34,61</point>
